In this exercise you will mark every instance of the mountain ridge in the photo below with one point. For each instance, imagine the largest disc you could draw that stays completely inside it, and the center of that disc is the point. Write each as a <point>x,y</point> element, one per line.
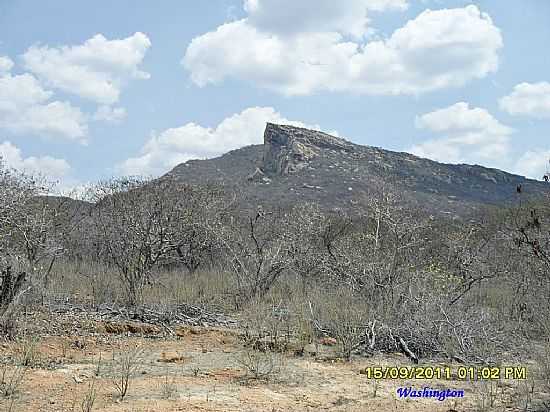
<point>301,165</point>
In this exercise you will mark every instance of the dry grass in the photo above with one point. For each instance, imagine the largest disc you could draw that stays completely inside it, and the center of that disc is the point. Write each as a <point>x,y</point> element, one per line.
<point>96,284</point>
<point>11,379</point>
<point>168,387</point>
<point>89,399</point>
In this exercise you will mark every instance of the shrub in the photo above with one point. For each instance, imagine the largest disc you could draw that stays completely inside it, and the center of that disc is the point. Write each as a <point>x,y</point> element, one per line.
<point>125,363</point>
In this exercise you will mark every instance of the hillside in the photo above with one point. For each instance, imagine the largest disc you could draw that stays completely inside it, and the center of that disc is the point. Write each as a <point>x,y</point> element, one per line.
<point>296,165</point>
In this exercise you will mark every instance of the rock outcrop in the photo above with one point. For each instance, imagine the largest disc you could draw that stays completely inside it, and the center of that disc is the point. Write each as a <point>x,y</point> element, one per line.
<point>288,149</point>
<point>258,176</point>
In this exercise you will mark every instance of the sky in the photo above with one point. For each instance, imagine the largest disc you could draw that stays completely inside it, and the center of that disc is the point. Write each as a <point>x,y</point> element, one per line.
<point>91,90</point>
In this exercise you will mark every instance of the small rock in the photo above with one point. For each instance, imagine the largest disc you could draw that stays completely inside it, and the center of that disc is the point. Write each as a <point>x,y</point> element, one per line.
<point>328,341</point>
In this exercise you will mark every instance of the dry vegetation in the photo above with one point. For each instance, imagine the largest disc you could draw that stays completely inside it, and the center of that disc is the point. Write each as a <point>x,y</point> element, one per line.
<point>154,295</point>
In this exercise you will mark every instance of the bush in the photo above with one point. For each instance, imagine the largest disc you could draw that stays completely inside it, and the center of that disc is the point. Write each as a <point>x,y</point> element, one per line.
<point>261,365</point>
<point>124,366</point>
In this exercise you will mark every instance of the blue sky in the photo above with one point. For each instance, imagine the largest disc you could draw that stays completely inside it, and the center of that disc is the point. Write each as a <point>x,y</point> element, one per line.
<point>94,89</point>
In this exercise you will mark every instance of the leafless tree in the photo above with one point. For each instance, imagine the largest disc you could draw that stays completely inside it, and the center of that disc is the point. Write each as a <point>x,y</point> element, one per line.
<point>259,250</point>
<point>310,236</point>
<point>134,223</point>
<point>30,231</point>
<point>142,224</point>
<point>532,229</point>
<point>526,235</point>
<point>198,209</point>
<point>374,252</point>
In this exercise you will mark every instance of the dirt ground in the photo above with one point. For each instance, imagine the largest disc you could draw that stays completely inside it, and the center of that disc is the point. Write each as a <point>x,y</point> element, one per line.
<point>201,369</point>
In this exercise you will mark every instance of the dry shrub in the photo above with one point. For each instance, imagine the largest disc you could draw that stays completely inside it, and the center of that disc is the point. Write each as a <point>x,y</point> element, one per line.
<point>261,365</point>
<point>267,325</point>
<point>203,288</point>
<point>168,387</point>
<point>124,366</point>
<point>87,403</point>
<point>29,356</point>
<point>303,325</point>
<point>543,367</point>
<point>343,316</point>
<point>12,283</point>
<point>11,379</point>
<point>424,319</point>
<point>486,396</point>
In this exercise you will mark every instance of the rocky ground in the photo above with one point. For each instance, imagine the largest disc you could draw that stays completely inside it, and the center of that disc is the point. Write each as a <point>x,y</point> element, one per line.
<point>67,357</point>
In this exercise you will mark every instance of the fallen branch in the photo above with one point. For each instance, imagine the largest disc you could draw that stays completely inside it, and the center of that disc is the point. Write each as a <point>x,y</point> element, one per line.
<point>405,348</point>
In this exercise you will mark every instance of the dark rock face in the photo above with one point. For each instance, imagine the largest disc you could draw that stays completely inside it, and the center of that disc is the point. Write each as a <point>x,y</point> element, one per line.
<point>297,165</point>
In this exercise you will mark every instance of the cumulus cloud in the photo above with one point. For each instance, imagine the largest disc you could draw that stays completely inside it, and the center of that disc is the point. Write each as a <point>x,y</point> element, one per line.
<point>289,16</point>
<point>174,146</point>
<point>110,114</point>
<point>383,5</point>
<point>528,99</point>
<point>25,108</point>
<point>21,91</point>
<point>48,166</point>
<point>468,135</point>
<point>533,164</point>
<point>438,49</point>
<point>55,118</point>
<point>96,70</point>
<point>6,64</point>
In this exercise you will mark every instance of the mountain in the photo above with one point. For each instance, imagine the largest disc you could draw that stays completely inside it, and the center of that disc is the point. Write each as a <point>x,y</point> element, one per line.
<point>298,165</point>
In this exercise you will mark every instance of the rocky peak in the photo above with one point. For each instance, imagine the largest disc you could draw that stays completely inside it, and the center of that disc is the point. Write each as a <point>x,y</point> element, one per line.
<point>288,149</point>
<point>296,165</point>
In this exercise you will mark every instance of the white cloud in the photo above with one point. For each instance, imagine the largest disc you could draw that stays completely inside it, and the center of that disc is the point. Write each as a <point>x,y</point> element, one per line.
<point>438,49</point>
<point>290,16</point>
<point>45,165</point>
<point>533,164</point>
<point>21,91</point>
<point>528,99</point>
<point>25,108</point>
<point>191,141</point>
<point>469,135</point>
<point>55,119</point>
<point>96,70</point>
<point>383,5</point>
<point>110,114</point>
<point>6,64</point>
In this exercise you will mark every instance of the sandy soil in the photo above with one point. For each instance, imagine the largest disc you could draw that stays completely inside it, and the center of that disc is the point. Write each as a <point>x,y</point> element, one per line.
<point>200,370</point>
